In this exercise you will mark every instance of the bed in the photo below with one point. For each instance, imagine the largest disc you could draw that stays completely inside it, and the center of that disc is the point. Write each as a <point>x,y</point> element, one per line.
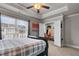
<point>21,47</point>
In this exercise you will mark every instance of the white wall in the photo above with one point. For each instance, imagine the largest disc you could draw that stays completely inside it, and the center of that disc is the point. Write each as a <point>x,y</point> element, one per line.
<point>72,30</point>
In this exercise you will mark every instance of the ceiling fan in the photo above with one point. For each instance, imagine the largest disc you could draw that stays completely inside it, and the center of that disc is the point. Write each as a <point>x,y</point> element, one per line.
<point>38,6</point>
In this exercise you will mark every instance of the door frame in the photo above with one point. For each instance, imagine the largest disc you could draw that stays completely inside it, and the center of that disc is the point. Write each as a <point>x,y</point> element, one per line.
<point>53,20</point>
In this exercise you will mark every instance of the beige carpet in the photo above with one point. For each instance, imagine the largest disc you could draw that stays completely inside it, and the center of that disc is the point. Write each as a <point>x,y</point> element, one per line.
<point>65,51</point>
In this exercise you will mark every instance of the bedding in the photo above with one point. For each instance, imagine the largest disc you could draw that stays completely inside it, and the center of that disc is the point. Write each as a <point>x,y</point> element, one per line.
<point>21,47</point>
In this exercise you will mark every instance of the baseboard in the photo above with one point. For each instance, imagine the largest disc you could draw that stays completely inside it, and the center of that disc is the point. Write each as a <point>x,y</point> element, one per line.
<point>73,46</point>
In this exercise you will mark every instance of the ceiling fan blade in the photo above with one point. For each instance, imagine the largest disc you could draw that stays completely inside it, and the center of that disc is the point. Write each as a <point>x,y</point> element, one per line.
<point>29,7</point>
<point>47,7</point>
<point>38,11</point>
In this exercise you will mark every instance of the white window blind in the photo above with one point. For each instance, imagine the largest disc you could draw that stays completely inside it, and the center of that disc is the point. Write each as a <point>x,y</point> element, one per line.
<point>13,28</point>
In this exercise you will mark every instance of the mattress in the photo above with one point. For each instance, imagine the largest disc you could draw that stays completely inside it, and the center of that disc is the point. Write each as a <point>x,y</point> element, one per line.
<point>21,47</point>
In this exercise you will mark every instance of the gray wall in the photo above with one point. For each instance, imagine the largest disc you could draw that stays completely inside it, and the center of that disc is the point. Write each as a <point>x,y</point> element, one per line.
<point>0,28</point>
<point>72,30</point>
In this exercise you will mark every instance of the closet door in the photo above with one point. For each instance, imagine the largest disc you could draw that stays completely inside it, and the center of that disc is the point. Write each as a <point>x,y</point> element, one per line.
<point>42,29</point>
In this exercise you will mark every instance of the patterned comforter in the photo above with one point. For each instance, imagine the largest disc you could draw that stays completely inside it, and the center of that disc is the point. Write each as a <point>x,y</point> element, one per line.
<point>21,47</point>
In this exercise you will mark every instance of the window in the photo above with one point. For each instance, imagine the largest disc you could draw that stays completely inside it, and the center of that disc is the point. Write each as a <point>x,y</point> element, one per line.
<point>7,26</point>
<point>22,29</point>
<point>13,28</point>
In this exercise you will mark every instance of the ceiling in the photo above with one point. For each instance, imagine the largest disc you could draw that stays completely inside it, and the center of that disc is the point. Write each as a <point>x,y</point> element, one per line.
<point>55,8</point>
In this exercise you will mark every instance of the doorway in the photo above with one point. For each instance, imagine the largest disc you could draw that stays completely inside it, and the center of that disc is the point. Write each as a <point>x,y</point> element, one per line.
<point>56,27</point>
<point>56,31</point>
<point>51,29</point>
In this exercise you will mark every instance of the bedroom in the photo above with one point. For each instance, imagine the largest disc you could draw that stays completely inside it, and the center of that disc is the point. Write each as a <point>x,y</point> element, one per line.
<point>20,25</point>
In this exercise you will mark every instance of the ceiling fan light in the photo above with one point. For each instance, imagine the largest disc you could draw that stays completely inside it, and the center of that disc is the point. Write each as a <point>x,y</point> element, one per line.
<point>37,6</point>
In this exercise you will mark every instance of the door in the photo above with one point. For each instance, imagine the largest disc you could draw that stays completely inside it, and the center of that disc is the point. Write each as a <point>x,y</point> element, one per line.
<point>57,33</point>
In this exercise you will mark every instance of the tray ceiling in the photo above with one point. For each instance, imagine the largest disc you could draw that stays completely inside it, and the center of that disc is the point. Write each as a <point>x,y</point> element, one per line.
<point>21,8</point>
